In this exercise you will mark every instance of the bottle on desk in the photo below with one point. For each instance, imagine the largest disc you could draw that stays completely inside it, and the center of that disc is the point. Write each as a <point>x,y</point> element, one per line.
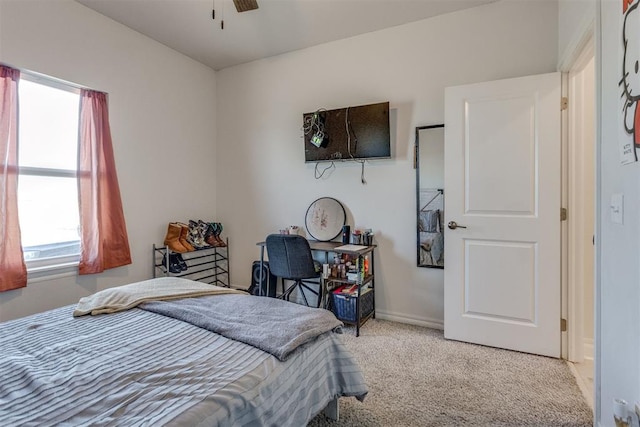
<point>346,234</point>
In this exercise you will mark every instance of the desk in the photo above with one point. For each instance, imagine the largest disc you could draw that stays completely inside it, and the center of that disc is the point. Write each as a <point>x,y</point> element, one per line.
<point>327,247</point>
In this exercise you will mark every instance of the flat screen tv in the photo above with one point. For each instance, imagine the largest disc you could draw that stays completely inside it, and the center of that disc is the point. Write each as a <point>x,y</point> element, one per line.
<point>351,133</point>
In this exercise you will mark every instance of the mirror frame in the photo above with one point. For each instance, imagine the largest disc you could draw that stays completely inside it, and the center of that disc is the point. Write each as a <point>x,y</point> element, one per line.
<point>416,165</point>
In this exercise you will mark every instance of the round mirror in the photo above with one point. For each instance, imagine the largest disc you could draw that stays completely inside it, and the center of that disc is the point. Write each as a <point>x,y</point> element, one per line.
<point>325,218</point>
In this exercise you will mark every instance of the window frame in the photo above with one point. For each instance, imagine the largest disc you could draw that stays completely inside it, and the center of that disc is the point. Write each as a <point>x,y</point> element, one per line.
<point>64,265</point>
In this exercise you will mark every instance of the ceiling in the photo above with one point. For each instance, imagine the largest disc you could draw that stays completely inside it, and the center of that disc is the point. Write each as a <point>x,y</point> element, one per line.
<point>276,27</point>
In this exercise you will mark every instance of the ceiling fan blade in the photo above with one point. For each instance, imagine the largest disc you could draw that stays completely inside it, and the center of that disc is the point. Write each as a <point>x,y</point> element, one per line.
<point>244,5</point>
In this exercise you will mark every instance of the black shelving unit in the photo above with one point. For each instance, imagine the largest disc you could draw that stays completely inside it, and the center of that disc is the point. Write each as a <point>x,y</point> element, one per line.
<point>359,307</point>
<point>209,265</point>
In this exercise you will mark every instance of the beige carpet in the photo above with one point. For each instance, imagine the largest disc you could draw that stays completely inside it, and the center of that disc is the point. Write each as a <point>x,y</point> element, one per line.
<point>417,378</point>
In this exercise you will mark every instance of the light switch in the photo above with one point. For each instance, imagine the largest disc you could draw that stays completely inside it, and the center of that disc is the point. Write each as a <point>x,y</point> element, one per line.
<point>617,208</point>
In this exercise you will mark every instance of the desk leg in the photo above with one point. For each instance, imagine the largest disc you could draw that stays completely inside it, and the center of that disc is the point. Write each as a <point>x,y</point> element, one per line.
<point>357,320</point>
<point>324,283</point>
<point>373,284</point>
<point>262,273</point>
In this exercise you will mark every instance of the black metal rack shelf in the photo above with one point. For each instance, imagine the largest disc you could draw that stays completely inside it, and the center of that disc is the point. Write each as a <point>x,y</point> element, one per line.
<point>337,281</point>
<point>208,265</point>
<point>360,306</point>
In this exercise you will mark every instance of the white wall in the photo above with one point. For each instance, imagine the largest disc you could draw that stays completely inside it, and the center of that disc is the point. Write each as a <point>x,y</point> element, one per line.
<point>619,248</point>
<point>266,183</point>
<point>575,16</point>
<point>162,111</point>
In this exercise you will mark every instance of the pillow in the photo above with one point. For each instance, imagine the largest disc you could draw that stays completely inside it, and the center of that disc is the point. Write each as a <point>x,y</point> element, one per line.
<point>429,221</point>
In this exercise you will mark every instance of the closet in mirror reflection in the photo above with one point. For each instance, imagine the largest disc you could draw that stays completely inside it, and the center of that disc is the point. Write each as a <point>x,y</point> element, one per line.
<point>429,158</point>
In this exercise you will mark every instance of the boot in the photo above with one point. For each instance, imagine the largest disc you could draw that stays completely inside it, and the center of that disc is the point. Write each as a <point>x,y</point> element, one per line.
<point>205,232</point>
<point>211,235</point>
<point>217,231</point>
<point>174,268</point>
<point>172,241</point>
<point>184,234</point>
<point>179,261</point>
<point>195,237</point>
<point>210,238</point>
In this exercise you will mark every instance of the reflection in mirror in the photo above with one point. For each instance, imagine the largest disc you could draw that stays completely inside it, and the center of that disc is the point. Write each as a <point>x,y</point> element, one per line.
<point>430,195</point>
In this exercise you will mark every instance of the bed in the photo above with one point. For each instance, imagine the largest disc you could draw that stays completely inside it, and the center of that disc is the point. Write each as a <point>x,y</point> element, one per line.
<point>138,367</point>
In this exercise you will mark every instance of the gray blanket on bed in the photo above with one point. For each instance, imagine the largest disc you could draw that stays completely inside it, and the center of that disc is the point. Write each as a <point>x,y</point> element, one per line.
<point>275,326</point>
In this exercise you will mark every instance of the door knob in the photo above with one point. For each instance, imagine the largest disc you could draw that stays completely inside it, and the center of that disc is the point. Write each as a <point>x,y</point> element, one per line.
<point>453,225</point>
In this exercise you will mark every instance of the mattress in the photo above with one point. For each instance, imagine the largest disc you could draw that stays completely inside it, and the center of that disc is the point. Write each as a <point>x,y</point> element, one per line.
<point>140,368</point>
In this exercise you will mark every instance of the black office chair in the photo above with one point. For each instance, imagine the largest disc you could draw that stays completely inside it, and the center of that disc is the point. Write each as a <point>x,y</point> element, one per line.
<point>290,259</point>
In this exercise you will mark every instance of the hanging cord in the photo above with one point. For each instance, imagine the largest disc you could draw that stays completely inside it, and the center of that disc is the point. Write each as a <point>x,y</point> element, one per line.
<point>362,180</point>
<point>319,175</point>
<point>347,126</point>
<point>222,17</point>
<point>213,13</point>
<point>313,124</point>
<point>349,129</point>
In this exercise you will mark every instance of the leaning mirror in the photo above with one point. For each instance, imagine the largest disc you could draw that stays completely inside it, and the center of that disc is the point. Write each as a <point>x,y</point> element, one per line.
<point>429,158</point>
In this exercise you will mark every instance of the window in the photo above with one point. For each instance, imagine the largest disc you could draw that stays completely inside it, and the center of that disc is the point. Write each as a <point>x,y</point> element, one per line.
<point>47,185</point>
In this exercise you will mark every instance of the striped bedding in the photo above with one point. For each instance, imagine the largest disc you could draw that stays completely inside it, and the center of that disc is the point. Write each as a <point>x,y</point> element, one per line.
<point>140,368</point>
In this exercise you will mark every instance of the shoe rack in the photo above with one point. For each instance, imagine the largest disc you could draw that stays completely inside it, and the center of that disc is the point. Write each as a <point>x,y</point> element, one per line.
<point>208,265</point>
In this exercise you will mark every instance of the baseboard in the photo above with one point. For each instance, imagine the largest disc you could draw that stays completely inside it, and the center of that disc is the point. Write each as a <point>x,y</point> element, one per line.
<point>403,318</point>
<point>584,389</point>
<point>588,348</point>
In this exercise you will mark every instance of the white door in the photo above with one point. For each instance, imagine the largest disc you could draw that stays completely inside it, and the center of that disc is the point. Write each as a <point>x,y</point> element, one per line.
<point>502,182</point>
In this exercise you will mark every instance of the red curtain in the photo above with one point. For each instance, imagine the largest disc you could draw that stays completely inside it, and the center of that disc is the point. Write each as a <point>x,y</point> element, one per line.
<point>13,271</point>
<point>105,243</point>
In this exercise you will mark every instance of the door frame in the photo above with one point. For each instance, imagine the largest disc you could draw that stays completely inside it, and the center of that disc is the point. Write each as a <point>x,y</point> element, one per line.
<point>575,296</point>
<point>577,54</point>
<point>572,296</point>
